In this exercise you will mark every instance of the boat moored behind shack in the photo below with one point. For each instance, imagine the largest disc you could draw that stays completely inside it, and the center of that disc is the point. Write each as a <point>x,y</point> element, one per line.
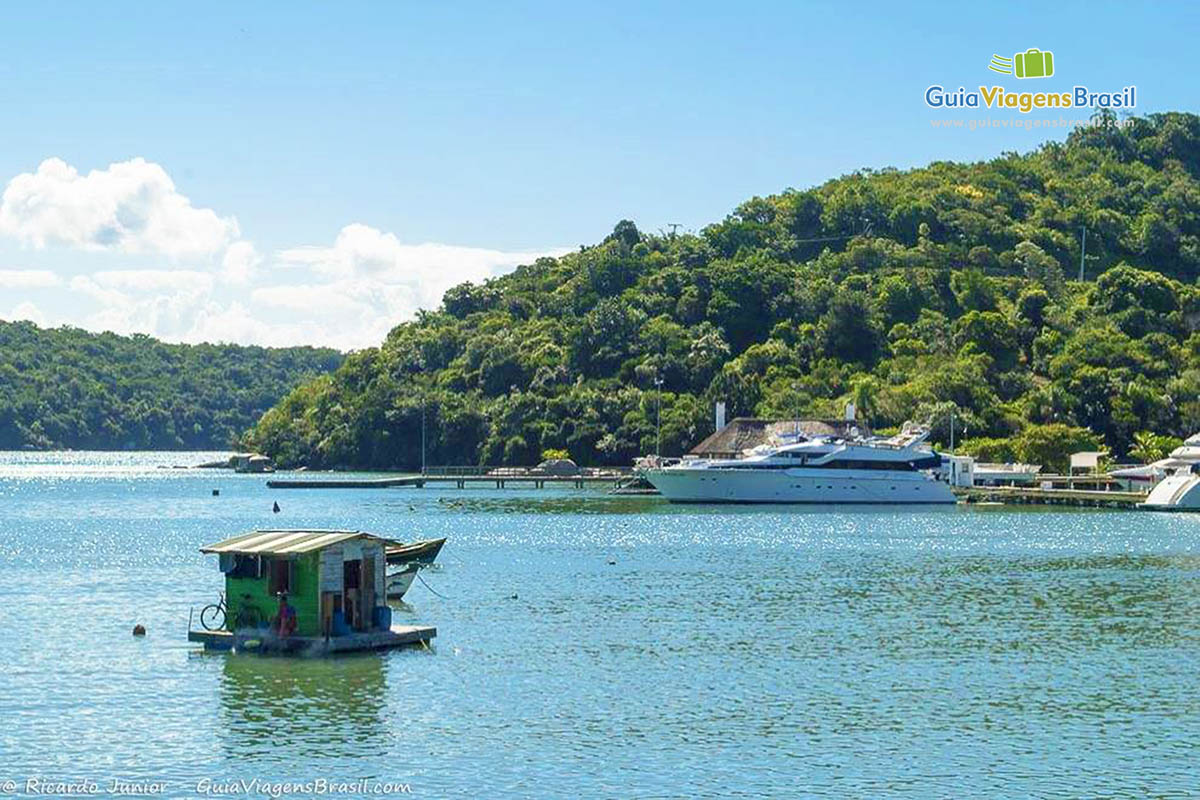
<point>307,591</point>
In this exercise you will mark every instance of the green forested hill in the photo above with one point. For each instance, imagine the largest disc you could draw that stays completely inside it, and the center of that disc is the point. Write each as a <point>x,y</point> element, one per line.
<point>944,289</point>
<point>66,387</point>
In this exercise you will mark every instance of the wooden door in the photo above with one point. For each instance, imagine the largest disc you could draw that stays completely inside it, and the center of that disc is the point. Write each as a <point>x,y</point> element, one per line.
<point>368,591</point>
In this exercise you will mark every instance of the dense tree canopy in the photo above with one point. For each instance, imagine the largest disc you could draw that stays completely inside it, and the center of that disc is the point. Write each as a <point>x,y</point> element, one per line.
<point>934,294</point>
<point>68,388</point>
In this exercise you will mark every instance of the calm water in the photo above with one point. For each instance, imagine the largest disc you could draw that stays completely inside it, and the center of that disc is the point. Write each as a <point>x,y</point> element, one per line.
<point>727,652</point>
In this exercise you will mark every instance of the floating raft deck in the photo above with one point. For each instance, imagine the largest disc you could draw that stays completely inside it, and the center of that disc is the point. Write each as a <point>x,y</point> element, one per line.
<point>397,636</point>
<point>1020,495</point>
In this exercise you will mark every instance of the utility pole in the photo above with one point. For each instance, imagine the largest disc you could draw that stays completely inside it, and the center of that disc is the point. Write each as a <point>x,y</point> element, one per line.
<point>422,434</point>
<point>796,418</point>
<point>658,417</point>
<point>1082,253</point>
<point>673,226</point>
<point>952,431</point>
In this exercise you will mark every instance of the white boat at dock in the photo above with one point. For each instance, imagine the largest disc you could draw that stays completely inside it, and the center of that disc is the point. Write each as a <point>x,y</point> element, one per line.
<point>813,469</point>
<point>1144,476</point>
<point>1178,492</point>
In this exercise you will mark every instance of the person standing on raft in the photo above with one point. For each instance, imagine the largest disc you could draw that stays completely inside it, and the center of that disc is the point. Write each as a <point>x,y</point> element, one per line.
<point>284,623</point>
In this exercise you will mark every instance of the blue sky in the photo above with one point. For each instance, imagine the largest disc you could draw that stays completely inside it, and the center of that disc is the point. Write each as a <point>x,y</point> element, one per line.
<point>326,142</point>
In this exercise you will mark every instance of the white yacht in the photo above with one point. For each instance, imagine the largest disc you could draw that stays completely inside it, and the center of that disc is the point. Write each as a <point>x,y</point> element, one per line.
<point>1145,476</point>
<point>1177,492</point>
<point>818,469</point>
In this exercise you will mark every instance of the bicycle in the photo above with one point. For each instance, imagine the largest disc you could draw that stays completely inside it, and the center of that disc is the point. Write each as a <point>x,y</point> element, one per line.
<point>214,616</point>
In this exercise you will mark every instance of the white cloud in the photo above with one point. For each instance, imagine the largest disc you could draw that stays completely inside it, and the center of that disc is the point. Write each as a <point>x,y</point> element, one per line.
<point>202,282</point>
<point>105,297</point>
<point>26,311</point>
<point>427,270</point>
<point>240,264</point>
<point>236,323</point>
<point>28,279</point>
<point>315,300</point>
<point>142,301</point>
<point>154,280</point>
<point>239,323</point>
<point>130,207</point>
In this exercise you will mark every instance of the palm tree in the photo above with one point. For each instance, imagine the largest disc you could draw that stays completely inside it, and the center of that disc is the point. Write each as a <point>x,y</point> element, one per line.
<point>1148,447</point>
<point>862,394</point>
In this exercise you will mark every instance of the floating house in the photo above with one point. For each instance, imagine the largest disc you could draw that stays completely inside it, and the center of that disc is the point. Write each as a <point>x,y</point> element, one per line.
<point>334,581</point>
<point>251,462</point>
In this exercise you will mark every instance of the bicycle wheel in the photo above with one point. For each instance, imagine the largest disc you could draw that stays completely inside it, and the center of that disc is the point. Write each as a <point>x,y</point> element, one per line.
<point>212,618</point>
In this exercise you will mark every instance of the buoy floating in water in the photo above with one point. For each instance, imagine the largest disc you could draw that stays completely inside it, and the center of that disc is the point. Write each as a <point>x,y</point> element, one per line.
<point>275,508</point>
<point>139,630</point>
<point>216,492</point>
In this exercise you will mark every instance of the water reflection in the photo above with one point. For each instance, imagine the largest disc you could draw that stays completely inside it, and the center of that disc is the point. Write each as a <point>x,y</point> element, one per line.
<point>326,706</point>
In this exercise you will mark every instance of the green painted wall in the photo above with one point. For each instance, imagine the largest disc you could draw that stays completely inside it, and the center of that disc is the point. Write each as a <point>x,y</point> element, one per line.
<point>306,594</point>
<point>304,597</point>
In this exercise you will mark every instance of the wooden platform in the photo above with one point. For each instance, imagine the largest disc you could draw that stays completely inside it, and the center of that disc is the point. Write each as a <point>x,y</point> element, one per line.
<point>1020,495</point>
<point>398,636</point>
<point>363,483</point>
<point>458,481</point>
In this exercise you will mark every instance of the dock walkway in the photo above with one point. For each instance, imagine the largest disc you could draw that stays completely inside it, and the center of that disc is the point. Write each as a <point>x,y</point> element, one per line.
<point>459,477</point>
<point>1022,495</point>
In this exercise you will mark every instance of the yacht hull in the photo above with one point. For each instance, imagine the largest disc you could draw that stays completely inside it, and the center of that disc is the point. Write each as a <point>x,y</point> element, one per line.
<point>1175,493</point>
<point>804,485</point>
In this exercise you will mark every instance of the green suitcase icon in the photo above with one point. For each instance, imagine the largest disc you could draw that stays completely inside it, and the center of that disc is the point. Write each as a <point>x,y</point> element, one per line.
<point>1034,63</point>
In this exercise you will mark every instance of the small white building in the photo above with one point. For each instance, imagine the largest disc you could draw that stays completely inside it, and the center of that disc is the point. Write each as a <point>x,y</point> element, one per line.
<point>957,470</point>
<point>1086,461</point>
<point>987,474</point>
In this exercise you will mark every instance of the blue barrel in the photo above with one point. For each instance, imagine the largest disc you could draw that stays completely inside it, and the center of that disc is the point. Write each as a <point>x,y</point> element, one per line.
<point>382,617</point>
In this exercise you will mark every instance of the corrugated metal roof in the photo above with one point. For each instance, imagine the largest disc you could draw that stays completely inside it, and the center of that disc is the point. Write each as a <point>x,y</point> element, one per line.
<point>287,542</point>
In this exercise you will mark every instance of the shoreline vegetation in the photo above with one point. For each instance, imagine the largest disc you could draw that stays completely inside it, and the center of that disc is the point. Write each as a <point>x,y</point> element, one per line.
<point>946,294</point>
<point>70,389</point>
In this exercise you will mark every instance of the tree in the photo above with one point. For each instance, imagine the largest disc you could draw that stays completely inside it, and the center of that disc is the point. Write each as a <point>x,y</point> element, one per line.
<point>626,233</point>
<point>973,290</point>
<point>849,330</point>
<point>990,333</point>
<point>1149,447</point>
<point>1038,266</point>
<point>1052,445</point>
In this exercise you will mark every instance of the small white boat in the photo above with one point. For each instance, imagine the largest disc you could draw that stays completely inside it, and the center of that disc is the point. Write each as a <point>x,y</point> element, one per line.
<point>400,581</point>
<point>403,561</point>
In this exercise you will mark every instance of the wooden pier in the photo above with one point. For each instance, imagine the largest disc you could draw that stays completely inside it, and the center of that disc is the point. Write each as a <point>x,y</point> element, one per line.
<point>1021,495</point>
<point>364,483</point>
<point>459,477</point>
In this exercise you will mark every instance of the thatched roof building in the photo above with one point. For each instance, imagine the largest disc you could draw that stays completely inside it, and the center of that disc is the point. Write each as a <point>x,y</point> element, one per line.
<point>744,433</point>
